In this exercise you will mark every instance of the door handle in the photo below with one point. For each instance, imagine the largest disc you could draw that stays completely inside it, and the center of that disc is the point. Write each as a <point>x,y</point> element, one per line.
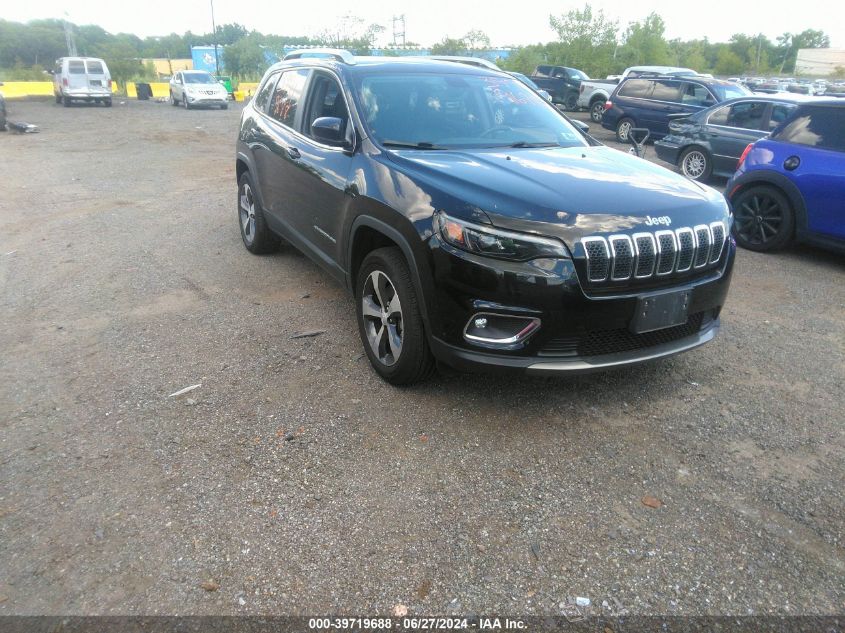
<point>294,153</point>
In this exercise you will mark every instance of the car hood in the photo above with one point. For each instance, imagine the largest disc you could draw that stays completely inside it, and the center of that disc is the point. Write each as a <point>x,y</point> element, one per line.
<point>573,191</point>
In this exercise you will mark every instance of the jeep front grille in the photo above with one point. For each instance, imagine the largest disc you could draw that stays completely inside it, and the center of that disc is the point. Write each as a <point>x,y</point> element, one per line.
<point>646,255</point>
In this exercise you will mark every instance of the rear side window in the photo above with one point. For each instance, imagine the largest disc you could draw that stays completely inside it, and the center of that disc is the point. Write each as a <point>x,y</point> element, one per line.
<point>287,95</point>
<point>747,115</point>
<point>76,67</point>
<point>94,68</point>
<point>263,96</point>
<point>816,127</point>
<point>665,90</point>
<point>638,88</point>
<point>780,112</point>
<point>544,71</point>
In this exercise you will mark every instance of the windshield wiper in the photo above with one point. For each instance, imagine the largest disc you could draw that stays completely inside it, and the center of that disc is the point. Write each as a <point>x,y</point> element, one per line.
<point>531,144</point>
<point>420,145</point>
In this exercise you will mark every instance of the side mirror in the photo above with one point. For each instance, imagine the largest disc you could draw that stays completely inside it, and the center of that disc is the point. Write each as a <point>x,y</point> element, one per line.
<point>328,129</point>
<point>585,129</point>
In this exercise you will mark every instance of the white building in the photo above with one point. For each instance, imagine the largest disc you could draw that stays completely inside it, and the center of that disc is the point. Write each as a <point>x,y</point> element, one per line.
<point>819,61</point>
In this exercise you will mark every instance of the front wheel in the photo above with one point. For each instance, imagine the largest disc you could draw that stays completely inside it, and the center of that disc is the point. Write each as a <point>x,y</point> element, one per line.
<point>763,219</point>
<point>623,130</point>
<point>695,164</point>
<point>173,101</point>
<point>389,319</point>
<point>185,102</point>
<point>597,111</point>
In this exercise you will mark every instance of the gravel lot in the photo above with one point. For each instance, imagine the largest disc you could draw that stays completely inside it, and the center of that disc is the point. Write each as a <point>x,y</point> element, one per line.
<point>297,482</point>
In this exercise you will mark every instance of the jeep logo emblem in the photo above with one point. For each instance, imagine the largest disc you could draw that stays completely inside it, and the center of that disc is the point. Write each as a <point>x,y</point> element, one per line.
<point>665,220</point>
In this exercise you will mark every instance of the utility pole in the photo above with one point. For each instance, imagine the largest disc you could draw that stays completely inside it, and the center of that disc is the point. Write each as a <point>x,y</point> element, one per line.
<point>397,33</point>
<point>214,39</point>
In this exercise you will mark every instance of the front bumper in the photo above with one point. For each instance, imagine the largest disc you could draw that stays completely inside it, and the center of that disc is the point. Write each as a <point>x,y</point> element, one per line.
<point>208,100</point>
<point>580,331</point>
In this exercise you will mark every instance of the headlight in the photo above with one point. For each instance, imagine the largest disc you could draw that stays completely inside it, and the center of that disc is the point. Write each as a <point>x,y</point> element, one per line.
<point>493,242</point>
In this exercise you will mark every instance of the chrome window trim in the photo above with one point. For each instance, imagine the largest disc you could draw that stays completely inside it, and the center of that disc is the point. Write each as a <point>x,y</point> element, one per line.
<point>695,231</point>
<point>674,237</point>
<point>635,237</point>
<point>619,238</point>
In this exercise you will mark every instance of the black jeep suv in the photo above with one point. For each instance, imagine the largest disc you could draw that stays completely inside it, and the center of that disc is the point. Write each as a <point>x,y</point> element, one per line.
<point>473,223</point>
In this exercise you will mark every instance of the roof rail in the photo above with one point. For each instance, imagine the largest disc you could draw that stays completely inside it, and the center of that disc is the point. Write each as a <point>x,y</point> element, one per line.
<point>332,53</point>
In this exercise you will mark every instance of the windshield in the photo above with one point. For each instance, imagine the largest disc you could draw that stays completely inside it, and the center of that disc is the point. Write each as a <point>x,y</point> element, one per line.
<point>199,78</point>
<point>452,111</point>
<point>728,90</point>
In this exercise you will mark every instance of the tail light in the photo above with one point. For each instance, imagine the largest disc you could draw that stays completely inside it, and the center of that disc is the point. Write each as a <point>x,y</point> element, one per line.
<point>607,105</point>
<point>744,154</point>
<point>64,81</point>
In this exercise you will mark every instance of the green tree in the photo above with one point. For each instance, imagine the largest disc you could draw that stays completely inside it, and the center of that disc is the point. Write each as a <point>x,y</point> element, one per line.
<point>645,43</point>
<point>245,58</point>
<point>525,59</point>
<point>729,63</point>
<point>587,39</point>
<point>449,46</point>
<point>476,39</point>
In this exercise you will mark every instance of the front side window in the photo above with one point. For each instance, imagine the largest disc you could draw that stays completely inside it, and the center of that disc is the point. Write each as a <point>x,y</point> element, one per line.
<point>637,88</point>
<point>460,111</point>
<point>696,94</point>
<point>665,90</point>
<point>263,96</point>
<point>816,127</point>
<point>780,112</point>
<point>325,100</point>
<point>76,67</point>
<point>287,95</point>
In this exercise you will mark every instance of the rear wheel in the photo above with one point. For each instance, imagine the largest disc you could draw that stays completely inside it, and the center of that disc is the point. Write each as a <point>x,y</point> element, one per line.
<point>572,103</point>
<point>623,130</point>
<point>695,164</point>
<point>58,98</point>
<point>389,319</point>
<point>66,101</point>
<point>597,111</point>
<point>763,219</point>
<point>256,235</point>
<point>225,106</point>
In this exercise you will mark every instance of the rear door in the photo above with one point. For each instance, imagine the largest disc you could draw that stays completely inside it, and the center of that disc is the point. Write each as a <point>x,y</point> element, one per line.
<point>817,137</point>
<point>96,71</point>
<point>77,77</point>
<point>665,100</point>
<point>731,128</point>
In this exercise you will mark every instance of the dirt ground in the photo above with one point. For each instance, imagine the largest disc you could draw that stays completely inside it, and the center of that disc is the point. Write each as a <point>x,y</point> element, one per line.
<point>297,482</point>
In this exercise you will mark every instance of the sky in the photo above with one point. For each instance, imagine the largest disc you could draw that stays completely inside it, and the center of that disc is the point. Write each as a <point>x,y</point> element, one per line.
<point>427,21</point>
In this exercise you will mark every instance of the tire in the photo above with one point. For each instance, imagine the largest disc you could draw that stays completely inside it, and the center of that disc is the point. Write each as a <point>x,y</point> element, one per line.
<point>3,123</point>
<point>597,111</point>
<point>185,102</point>
<point>107,103</point>
<point>763,218</point>
<point>623,129</point>
<point>173,101</point>
<point>225,106</point>
<point>256,235</point>
<point>58,98</point>
<point>696,164</point>
<point>66,101</point>
<point>395,342</point>
<point>572,103</point>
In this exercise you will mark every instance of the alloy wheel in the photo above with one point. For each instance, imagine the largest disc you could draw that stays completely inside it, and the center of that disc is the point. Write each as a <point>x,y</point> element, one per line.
<point>759,219</point>
<point>694,164</point>
<point>624,130</point>
<point>382,313</point>
<point>246,211</point>
<point>597,111</point>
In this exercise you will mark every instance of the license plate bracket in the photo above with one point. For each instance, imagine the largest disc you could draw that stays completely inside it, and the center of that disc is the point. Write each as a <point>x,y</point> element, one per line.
<point>661,310</point>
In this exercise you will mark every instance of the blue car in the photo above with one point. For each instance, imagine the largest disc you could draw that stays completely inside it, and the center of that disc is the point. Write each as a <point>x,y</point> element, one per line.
<point>653,101</point>
<point>790,186</point>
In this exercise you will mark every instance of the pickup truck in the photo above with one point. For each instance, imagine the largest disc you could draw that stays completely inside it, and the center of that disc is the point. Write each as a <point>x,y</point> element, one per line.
<point>593,93</point>
<point>560,82</point>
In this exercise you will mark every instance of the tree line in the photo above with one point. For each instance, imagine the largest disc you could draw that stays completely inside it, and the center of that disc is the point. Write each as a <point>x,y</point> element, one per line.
<point>587,39</point>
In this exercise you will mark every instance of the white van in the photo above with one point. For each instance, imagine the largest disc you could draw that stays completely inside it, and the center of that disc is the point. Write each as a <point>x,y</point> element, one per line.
<point>81,78</point>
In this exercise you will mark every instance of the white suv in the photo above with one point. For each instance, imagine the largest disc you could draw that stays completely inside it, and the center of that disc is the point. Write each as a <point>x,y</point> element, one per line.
<point>195,88</point>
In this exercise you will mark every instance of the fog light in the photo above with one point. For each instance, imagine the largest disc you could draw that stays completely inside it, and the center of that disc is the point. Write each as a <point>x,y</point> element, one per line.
<point>499,330</point>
